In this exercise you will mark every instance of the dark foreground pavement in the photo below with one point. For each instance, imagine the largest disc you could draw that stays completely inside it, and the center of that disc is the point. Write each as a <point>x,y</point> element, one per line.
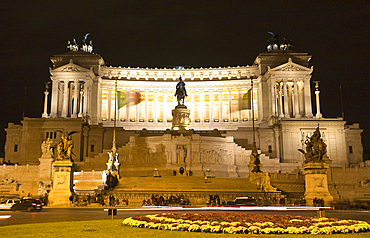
<point>84,214</point>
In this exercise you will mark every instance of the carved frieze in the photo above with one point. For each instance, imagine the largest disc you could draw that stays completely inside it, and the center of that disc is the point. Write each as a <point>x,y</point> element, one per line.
<point>70,68</point>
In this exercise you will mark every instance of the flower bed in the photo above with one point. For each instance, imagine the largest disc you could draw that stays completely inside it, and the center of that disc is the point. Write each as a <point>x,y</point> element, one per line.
<point>240,223</point>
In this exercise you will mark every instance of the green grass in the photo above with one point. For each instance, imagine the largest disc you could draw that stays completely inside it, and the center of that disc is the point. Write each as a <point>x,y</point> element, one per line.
<point>111,229</point>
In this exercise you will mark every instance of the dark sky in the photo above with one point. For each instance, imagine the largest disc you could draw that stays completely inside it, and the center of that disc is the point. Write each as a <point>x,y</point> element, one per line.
<point>193,33</point>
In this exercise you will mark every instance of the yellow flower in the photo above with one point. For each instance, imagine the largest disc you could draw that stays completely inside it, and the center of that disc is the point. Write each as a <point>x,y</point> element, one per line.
<point>194,228</point>
<point>216,229</point>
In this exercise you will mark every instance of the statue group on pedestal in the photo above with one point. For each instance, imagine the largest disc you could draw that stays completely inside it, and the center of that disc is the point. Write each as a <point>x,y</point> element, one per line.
<point>46,148</point>
<point>315,148</point>
<point>110,176</point>
<point>64,147</point>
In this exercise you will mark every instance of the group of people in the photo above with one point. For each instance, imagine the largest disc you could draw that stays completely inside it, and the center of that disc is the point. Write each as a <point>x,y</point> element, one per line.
<point>214,200</point>
<point>182,171</point>
<point>156,200</point>
<point>319,202</point>
<point>97,198</point>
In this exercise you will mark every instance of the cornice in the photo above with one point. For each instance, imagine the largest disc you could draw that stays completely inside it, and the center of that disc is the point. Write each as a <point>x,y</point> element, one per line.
<point>171,85</point>
<point>172,74</point>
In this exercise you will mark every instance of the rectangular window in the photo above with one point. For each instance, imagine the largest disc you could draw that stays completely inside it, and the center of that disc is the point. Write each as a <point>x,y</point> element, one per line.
<point>92,148</point>
<point>350,149</point>
<point>47,135</point>
<point>270,149</point>
<point>15,148</point>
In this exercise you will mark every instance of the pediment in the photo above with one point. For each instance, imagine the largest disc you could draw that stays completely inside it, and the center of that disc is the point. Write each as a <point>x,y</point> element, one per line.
<point>291,66</point>
<point>71,67</point>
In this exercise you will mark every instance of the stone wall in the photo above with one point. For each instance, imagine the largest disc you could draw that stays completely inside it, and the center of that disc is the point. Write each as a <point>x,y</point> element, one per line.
<point>23,142</point>
<point>350,183</point>
<point>19,180</point>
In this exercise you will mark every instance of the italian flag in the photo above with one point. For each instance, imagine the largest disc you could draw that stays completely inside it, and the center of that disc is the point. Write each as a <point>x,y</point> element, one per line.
<point>246,103</point>
<point>127,98</point>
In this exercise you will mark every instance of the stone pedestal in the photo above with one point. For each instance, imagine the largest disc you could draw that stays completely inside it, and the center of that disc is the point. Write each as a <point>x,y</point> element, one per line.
<point>316,183</point>
<point>45,174</point>
<point>62,183</point>
<point>45,168</point>
<point>180,118</point>
<point>262,180</point>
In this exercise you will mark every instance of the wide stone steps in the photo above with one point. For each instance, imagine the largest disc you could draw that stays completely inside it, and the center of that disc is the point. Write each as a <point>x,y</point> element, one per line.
<point>184,183</point>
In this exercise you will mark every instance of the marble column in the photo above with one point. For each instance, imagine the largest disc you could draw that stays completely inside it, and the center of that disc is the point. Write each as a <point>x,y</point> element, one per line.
<point>81,105</point>
<point>45,114</point>
<point>54,99</point>
<point>259,101</point>
<point>286,99</point>
<point>109,109</point>
<point>75,99</point>
<point>307,98</point>
<point>281,113</point>
<point>220,119</point>
<point>301,99</point>
<point>230,107</point>
<point>211,105</point>
<point>273,97</point>
<point>296,100</point>
<point>165,106</point>
<point>146,106</point>
<point>86,98</point>
<point>202,105</point>
<point>239,104</point>
<point>155,106</point>
<point>128,105</point>
<point>65,99</point>
<point>318,113</point>
<point>137,109</point>
<point>192,105</point>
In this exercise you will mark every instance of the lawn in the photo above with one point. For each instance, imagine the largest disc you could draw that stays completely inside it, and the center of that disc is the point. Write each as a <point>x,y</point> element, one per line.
<point>111,229</point>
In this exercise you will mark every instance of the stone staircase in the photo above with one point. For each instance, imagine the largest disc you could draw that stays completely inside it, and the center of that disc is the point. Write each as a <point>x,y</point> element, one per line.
<point>141,155</point>
<point>185,183</point>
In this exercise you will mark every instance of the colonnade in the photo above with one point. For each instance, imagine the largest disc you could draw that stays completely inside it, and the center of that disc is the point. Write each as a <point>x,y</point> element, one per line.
<point>291,98</point>
<point>70,98</point>
<point>206,105</point>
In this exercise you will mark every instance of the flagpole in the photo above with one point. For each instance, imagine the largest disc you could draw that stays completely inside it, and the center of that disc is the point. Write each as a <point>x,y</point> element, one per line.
<point>115,119</point>
<point>254,134</point>
<point>255,162</point>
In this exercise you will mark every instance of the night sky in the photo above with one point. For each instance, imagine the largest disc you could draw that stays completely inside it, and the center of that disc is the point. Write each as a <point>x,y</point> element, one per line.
<point>191,33</point>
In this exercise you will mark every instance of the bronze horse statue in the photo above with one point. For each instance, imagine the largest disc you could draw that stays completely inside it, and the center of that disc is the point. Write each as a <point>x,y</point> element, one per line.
<point>180,92</point>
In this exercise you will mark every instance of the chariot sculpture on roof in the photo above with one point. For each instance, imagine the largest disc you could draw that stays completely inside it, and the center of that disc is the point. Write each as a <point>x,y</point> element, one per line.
<point>85,47</point>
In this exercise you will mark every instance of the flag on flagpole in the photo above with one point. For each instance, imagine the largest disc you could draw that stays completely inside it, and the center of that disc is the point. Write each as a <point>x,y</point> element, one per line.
<point>121,99</point>
<point>127,98</point>
<point>246,103</point>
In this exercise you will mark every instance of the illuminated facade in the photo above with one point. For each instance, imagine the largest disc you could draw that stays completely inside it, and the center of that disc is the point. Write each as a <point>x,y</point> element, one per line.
<point>83,97</point>
<point>214,94</point>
